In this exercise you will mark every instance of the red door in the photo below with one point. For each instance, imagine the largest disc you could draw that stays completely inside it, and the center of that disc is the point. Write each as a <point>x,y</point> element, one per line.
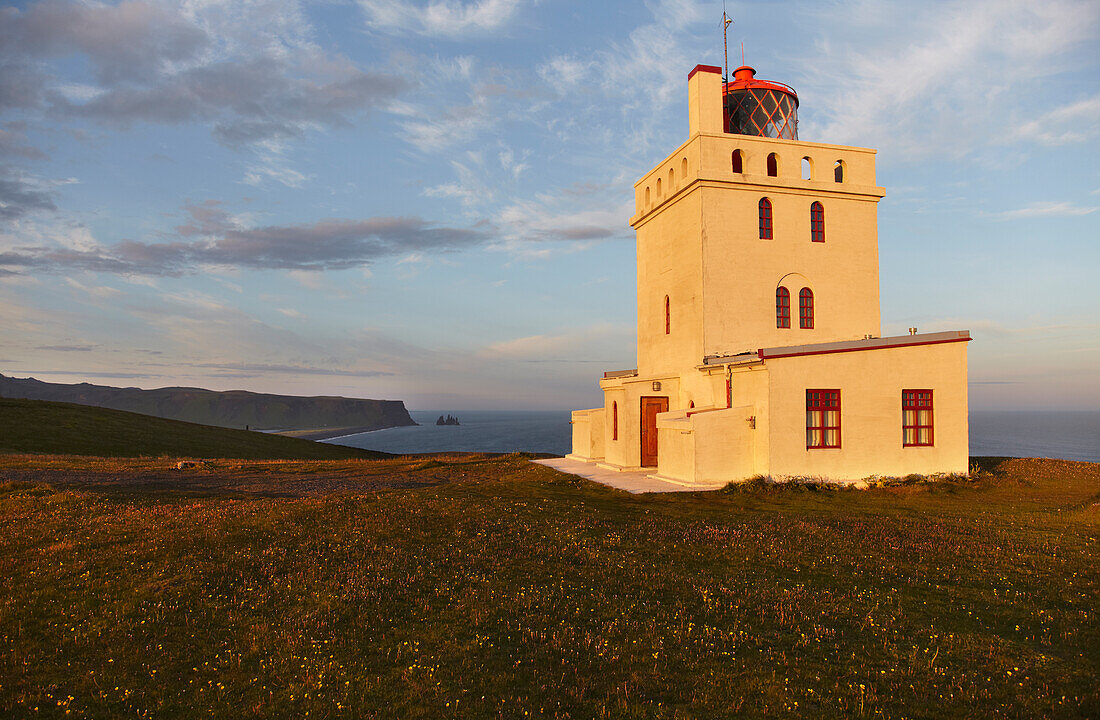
<point>650,407</point>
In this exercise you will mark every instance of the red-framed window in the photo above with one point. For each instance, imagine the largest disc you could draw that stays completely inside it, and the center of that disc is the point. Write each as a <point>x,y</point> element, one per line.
<point>806,309</point>
<point>817,222</point>
<point>916,418</point>
<point>738,161</point>
<point>614,421</point>
<point>765,219</point>
<point>782,307</point>
<point>773,165</point>
<point>668,317</point>
<point>822,419</point>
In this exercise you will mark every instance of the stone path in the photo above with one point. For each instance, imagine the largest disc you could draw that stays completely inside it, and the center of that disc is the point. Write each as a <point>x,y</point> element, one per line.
<point>633,481</point>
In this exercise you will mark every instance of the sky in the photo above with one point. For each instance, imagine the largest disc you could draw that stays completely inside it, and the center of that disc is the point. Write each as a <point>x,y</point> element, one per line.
<point>428,200</point>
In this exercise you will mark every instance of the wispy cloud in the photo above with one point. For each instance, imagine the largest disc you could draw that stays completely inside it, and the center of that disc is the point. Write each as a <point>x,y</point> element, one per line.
<point>447,18</point>
<point>1047,208</point>
<point>944,78</point>
<point>334,244</point>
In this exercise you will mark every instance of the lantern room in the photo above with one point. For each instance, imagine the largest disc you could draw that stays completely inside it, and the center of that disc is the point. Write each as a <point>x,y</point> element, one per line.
<point>760,107</point>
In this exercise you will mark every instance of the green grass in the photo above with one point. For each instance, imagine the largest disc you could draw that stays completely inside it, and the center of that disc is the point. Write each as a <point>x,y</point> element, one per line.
<point>38,426</point>
<point>495,588</point>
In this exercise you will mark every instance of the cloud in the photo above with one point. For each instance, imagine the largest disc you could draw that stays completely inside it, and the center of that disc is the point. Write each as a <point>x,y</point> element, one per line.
<point>21,193</point>
<point>1076,122</point>
<point>247,101</point>
<point>334,244</point>
<point>570,215</point>
<point>13,141</point>
<point>257,369</point>
<point>1047,208</point>
<point>941,78</point>
<point>67,348</point>
<point>447,18</point>
<point>609,343</point>
<point>133,40</point>
<point>248,71</point>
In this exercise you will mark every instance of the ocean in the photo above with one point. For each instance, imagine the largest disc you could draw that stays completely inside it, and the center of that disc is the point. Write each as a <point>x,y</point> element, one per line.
<point>1065,435</point>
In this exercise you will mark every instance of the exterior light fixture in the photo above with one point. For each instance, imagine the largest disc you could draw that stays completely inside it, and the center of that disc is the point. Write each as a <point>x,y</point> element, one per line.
<point>656,386</point>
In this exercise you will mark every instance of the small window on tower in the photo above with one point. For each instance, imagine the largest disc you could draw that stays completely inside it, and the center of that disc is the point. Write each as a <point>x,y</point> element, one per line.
<point>684,168</point>
<point>647,197</point>
<point>838,171</point>
<point>671,180</point>
<point>668,317</point>
<point>738,161</point>
<point>806,309</point>
<point>782,307</point>
<point>765,219</point>
<point>773,165</point>
<point>614,421</point>
<point>658,188</point>
<point>807,168</point>
<point>817,222</point>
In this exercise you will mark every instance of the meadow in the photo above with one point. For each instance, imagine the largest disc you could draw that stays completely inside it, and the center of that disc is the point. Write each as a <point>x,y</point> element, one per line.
<point>474,586</point>
<point>41,426</point>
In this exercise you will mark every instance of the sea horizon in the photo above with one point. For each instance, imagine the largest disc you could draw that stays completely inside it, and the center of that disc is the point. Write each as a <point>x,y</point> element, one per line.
<point>1060,434</point>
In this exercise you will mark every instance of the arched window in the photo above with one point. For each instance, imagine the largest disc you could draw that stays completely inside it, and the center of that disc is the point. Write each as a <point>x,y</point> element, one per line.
<point>668,317</point>
<point>691,404</point>
<point>807,168</point>
<point>658,188</point>
<point>782,307</point>
<point>684,168</point>
<point>806,309</point>
<point>817,222</point>
<point>773,165</point>
<point>647,196</point>
<point>738,161</point>
<point>765,219</point>
<point>671,179</point>
<point>838,171</point>
<point>614,421</point>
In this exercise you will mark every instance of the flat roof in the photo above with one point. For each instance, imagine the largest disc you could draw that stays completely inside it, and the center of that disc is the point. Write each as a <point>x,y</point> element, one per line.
<point>839,347</point>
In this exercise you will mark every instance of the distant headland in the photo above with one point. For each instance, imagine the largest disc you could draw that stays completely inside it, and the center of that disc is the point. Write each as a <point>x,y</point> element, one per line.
<point>317,417</point>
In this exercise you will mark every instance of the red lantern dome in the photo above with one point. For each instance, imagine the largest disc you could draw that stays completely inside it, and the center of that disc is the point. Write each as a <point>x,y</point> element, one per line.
<point>760,107</point>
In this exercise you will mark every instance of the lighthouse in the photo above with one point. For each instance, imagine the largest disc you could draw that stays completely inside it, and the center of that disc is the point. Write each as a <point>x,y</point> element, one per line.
<point>759,335</point>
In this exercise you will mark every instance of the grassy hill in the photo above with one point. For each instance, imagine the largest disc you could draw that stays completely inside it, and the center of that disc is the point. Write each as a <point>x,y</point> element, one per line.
<point>490,587</point>
<point>233,408</point>
<point>38,426</point>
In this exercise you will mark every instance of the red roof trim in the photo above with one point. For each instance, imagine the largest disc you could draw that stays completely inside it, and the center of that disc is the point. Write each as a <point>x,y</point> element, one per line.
<point>860,349</point>
<point>704,68</point>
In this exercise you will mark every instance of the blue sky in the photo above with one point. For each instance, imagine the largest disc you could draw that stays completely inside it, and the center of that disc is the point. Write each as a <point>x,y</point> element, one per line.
<point>428,200</point>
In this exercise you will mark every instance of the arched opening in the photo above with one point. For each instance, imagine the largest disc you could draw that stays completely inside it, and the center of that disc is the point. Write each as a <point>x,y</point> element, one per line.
<point>658,188</point>
<point>691,405</point>
<point>773,165</point>
<point>668,317</point>
<point>782,307</point>
<point>838,171</point>
<point>647,196</point>
<point>671,180</point>
<point>614,421</point>
<point>684,168</point>
<point>765,219</point>
<point>807,168</point>
<point>817,222</point>
<point>806,308</point>
<point>738,161</point>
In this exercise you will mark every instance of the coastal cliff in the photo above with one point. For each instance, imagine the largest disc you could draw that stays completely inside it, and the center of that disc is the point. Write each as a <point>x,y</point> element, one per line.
<point>233,408</point>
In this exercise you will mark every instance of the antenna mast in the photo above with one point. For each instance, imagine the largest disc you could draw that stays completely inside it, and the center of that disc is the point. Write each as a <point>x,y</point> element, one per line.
<point>726,20</point>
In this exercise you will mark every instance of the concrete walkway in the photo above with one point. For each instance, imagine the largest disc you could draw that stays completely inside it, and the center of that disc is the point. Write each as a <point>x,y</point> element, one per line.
<point>633,481</point>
